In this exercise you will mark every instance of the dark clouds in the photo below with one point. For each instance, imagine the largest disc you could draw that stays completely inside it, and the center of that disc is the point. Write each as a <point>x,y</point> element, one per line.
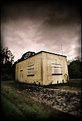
<point>42,26</point>
<point>60,12</point>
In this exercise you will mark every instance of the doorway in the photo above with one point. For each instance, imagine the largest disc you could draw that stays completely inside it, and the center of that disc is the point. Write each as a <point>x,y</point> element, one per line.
<point>21,75</point>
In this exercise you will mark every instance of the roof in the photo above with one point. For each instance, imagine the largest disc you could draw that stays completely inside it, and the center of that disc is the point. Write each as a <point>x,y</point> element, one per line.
<point>51,53</point>
<point>41,52</point>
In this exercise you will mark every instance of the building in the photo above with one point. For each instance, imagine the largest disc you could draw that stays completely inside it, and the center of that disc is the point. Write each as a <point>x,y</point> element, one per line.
<point>42,68</point>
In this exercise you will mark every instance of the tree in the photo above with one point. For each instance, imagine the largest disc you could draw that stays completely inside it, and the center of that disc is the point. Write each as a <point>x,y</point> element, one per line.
<point>7,59</point>
<point>74,68</point>
<point>6,56</point>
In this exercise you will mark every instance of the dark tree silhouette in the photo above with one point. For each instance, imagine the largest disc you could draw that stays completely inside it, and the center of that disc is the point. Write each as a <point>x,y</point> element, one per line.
<point>6,56</point>
<point>7,59</point>
<point>74,68</point>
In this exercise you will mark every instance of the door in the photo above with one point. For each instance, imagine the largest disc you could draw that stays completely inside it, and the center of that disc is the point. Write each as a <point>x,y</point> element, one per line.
<point>21,75</point>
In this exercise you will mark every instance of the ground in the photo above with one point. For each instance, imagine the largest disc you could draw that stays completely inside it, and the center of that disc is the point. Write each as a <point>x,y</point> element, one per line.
<point>31,102</point>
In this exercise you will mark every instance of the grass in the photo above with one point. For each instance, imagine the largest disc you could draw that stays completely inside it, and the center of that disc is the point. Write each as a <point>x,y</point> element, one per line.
<point>10,110</point>
<point>26,112</point>
<point>72,85</point>
<point>15,107</point>
<point>18,106</point>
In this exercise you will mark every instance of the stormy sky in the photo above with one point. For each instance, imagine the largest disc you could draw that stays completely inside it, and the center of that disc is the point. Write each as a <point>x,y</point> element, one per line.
<point>36,26</point>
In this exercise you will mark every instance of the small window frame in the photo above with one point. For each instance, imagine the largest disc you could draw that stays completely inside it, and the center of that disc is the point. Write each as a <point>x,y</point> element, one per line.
<point>56,69</point>
<point>30,70</point>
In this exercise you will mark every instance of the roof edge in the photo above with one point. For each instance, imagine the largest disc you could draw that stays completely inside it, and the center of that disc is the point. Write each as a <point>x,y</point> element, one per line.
<point>50,53</point>
<point>39,53</point>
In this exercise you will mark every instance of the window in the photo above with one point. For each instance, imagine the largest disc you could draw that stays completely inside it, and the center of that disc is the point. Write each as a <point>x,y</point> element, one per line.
<point>56,69</point>
<point>30,70</point>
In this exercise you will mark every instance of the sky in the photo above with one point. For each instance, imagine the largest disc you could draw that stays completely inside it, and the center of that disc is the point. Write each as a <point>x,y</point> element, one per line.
<point>35,26</point>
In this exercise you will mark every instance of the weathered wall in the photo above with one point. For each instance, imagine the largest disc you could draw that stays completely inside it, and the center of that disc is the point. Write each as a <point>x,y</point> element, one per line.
<point>22,72</point>
<point>48,59</point>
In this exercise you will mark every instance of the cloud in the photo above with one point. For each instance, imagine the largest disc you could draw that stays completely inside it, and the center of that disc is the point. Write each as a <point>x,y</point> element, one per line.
<point>35,26</point>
